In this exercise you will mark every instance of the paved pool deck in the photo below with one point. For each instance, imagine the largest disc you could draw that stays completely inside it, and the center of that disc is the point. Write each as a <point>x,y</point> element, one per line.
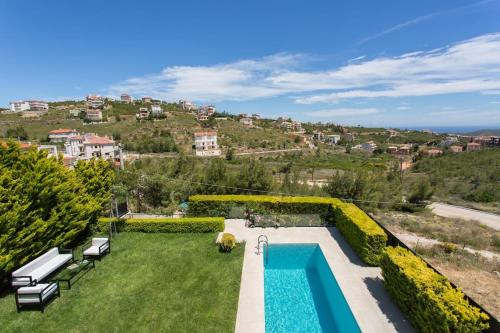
<point>362,285</point>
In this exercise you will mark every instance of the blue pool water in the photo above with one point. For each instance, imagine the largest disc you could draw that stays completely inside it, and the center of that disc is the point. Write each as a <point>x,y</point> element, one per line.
<point>301,293</point>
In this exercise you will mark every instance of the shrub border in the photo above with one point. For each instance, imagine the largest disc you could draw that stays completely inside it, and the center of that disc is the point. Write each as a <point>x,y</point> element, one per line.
<point>167,225</point>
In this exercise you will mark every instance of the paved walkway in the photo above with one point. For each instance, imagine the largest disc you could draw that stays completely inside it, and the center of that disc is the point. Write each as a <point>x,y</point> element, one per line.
<point>445,210</point>
<point>362,285</point>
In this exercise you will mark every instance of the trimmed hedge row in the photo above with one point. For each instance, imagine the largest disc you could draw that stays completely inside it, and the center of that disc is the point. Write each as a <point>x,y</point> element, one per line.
<point>364,235</point>
<point>428,298</point>
<point>168,225</point>
<point>221,205</point>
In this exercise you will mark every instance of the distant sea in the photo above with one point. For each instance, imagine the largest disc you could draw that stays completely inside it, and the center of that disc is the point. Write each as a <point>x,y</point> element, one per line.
<point>454,129</point>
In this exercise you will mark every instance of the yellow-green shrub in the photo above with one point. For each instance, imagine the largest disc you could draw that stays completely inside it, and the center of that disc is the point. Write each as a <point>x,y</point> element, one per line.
<point>227,242</point>
<point>364,235</point>
<point>427,297</point>
<point>168,225</point>
<point>221,205</point>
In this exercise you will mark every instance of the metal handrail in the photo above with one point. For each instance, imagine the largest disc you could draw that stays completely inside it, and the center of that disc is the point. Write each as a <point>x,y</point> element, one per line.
<point>266,244</point>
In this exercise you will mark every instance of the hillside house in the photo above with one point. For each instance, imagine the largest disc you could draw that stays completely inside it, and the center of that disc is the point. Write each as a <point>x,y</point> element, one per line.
<point>33,105</point>
<point>125,98</point>
<point>88,146</point>
<point>456,149</point>
<point>93,115</point>
<point>449,141</point>
<point>473,146</point>
<point>368,147</point>
<point>205,143</point>
<point>432,152</point>
<point>246,121</point>
<point>399,150</point>
<point>61,135</point>
<point>143,113</point>
<point>94,102</point>
<point>256,116</point>
<point>187,105</point>
<point>147,99</point>
<point>50,149</point>
<point>318,136</point>
<point>332,139</point>
<point>156,109</point>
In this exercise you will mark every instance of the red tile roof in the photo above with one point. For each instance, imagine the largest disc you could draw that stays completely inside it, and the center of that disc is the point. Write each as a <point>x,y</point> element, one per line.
<point>97,140</point>
<point>205,133</point>
<point>61,131</point>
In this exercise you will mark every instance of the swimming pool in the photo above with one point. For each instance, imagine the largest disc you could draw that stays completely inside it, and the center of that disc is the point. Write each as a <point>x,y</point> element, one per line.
<point>301,293</point>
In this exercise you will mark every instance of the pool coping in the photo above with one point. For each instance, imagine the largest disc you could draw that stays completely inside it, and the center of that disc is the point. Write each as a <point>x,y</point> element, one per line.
<point>361,285</point>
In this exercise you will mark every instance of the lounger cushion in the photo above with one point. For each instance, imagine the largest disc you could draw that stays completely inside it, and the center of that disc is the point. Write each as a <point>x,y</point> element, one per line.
<point>28,295</point>
<point>94,250</point>
<point>44,270</point>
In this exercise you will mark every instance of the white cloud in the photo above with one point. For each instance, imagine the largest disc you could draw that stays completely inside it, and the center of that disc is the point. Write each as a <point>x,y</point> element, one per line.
<point>491,92</point>
<point>403,107</point>
<point>341,112</point>
<point>471,66</point>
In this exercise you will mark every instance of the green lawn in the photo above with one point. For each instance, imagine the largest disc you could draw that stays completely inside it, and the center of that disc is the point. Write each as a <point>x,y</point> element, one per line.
<point>149,283</point>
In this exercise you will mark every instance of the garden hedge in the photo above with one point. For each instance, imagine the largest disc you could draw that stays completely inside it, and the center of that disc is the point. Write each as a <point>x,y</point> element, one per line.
<point>364,235</point>
<point>427,297</point>
<point>168,225</point>
<point>221,205</point>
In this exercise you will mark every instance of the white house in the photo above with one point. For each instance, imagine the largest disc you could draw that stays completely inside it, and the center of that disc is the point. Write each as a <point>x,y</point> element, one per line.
<point>318,136</point>
<point>93,115</point>
<point>50,149</point>
<point>88,146</point>
<point>205,143</point>
<point>18,106</point>
<point>332,139</point>
<point>246,121</point>
<point>95,101</point>
<point>156,109</point>
<point>187,105</point>
<point>61,135</point>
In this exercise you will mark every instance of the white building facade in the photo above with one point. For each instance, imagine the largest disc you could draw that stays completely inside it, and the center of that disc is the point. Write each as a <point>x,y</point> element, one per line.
<point>205,143</point>
<point>19,106</point>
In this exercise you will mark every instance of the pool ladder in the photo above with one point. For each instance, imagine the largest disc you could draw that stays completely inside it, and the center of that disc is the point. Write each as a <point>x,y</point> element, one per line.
<point>264,241</point>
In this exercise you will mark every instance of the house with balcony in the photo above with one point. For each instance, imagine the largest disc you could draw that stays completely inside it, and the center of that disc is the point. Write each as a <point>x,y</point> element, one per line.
<point>143,113</point>
<point>33,105</point>
<point>125,98</point>
<point>94,101</point>
<point>93,115</point>
<point>205,143</point>
<point>88,146</point>
<point>187,105</point>
<point>147,99</point>
<point>318,136</point>
<point>61,135</point>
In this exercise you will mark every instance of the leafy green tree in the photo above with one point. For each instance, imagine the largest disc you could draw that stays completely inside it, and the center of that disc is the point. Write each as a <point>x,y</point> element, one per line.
<point>17,132</point>
<point>98,176</point>
<point>230,154</point>
<point>42,205</point>
<point>255,177</point>
<point>216,175</point>
<point>347,185</point>
<point>421,191</point>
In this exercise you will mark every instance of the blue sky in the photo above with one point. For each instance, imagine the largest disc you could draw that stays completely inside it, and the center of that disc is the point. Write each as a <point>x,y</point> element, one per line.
<point>374,63</point>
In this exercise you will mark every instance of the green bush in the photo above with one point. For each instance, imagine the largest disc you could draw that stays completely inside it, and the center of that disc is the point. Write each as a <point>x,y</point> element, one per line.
<point>168,225</point>
<point>42,205</point>
<point>221,205</point>
<point>428,298</point>
<point>364,235</point>
<point>227,243</point>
